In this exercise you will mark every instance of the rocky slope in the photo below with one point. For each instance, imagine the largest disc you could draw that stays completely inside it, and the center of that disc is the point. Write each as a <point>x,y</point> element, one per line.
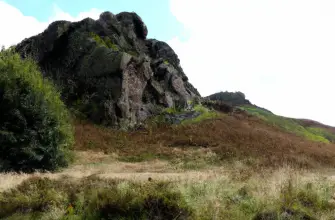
<point>108,70</point>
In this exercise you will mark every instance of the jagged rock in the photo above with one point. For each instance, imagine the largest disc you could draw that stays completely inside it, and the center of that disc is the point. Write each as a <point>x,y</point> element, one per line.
<point>218,106</point>
<point>231,98</point>
<point>135,22</point>
<point>108,70</point>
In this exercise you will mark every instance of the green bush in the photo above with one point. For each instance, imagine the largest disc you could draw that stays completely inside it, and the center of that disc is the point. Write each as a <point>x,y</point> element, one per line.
<point>35,129</point>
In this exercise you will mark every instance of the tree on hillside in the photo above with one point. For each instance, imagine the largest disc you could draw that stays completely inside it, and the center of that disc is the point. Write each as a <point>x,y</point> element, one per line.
<point>35,129</point>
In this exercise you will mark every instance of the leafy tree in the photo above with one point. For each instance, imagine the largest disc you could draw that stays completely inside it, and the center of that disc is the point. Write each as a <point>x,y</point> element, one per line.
<point>35,129</point>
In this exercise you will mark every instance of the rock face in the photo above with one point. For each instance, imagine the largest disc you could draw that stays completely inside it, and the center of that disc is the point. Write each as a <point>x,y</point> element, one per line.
<point>218,106</point>
<point>108,70</point>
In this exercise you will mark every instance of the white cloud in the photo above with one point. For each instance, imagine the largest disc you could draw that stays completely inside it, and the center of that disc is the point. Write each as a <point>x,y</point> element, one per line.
<point>16,26</point>
<point>281,54</point>
<point>59,14</point>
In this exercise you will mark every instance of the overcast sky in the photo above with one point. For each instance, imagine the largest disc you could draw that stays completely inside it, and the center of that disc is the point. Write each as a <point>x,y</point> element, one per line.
<point>280,53</point>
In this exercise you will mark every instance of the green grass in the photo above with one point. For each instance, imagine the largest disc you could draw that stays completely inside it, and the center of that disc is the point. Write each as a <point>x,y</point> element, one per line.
<point>106,41</point>
<point>172,110</point>
<point>292,125</point>
<point>205,115</point>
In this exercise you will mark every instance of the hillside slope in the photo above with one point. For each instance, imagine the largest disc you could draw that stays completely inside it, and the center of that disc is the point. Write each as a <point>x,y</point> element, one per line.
<point>209,142</point>
<point>309,129</point>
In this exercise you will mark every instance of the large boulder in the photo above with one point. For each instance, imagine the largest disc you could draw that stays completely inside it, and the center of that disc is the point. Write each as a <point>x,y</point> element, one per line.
<point>107,69</point>
<point>231,98</point>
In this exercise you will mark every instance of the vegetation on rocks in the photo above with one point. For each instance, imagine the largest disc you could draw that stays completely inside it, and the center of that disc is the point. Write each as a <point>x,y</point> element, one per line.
<point>194,114</point>
<point>35,128</point>
<point>106,41</point>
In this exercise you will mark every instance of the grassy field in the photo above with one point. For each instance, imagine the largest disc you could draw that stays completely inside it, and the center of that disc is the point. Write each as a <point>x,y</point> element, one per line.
<point>133,192</point>
<point>227,167</point>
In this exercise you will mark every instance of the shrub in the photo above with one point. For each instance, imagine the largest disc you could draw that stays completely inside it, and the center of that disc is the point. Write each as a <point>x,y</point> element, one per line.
<point>35,132</point>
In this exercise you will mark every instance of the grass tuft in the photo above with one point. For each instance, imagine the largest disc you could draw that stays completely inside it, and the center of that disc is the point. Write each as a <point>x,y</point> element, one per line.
<point>93,198</point>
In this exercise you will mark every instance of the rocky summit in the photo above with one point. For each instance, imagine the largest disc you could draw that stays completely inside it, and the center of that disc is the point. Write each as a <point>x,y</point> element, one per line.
<point>108,70</point>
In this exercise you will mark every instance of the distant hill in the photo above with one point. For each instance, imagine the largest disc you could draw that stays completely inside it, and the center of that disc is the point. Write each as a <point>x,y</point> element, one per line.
<point>234,99</point>
<point>311,130</point>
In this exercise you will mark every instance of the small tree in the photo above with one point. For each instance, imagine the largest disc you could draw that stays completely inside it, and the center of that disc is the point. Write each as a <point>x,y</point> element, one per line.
<point>35,129</point>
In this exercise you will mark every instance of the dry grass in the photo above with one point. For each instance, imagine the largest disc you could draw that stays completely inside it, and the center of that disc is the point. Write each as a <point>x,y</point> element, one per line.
<point>235,193</point>
<point>232,167</point>
<point>228,137</point>
<point>241,198</point>
<point>104,166</point>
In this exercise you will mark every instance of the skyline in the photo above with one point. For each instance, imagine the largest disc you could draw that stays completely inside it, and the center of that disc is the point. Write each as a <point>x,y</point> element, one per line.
<point>280,54</point>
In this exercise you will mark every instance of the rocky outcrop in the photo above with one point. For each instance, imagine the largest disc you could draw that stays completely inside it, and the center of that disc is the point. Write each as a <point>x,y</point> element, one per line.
<point>218,106</point>
<point>108,70</point>
<point>231,98</point>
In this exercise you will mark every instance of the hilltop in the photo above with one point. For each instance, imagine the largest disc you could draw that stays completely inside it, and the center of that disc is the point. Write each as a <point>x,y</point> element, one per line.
<point>310,129</point>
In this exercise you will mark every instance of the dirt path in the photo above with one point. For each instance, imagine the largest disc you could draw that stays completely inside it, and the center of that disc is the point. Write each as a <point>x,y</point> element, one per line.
<point>104,166</point>
<point>107,166</point>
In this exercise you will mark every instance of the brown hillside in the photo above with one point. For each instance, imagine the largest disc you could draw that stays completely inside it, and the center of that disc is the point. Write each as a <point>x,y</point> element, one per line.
<point>228,137</point>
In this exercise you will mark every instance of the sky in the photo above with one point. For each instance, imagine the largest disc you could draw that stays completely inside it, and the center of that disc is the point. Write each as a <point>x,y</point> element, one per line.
<point>280,53</point>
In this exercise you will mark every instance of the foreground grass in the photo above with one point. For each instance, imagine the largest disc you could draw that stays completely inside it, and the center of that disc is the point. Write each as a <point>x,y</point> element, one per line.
<point>283,193</point>
<point>92,198</point>
<point>231,167</point>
